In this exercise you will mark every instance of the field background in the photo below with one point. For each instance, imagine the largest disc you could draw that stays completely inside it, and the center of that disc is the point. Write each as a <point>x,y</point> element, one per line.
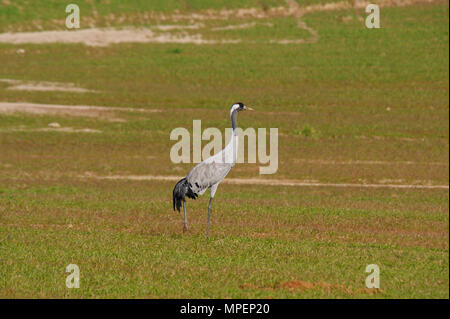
<point>353,105</point>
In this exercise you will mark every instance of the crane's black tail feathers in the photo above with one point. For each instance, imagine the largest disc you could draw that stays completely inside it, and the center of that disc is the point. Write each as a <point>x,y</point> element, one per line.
<point>181,190</point>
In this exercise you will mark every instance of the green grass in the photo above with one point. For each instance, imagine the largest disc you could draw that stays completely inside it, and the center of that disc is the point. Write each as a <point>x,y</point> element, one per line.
<point>357,106</point>
<point>130,246</point>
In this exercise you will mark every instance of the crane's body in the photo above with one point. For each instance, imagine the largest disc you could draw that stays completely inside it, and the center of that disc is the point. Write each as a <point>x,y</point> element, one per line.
<point>209,173</point>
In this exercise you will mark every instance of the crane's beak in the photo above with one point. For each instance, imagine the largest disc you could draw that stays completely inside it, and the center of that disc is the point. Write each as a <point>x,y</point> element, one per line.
<point>248,108</point>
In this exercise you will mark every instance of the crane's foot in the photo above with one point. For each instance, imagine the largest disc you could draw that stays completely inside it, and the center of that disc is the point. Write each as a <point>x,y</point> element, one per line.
<point>185,228</point>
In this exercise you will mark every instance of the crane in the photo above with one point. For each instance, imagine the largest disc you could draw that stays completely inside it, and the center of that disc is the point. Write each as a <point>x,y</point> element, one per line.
<point>209,173</point>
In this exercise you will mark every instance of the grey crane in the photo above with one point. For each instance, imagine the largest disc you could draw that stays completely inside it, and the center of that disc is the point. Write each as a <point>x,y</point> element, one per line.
<point>210,172</point>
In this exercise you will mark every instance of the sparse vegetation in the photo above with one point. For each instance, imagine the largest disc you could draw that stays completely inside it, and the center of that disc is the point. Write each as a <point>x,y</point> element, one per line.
<point>307,131</point>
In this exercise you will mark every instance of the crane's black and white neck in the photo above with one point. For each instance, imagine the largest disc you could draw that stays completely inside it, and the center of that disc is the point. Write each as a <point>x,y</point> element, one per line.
<point>235,108</point>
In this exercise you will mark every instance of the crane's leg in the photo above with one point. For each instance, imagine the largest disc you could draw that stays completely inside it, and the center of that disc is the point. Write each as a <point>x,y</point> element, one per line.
<point>185,228</point>
<point>213,191</point>
<point>209,216</point>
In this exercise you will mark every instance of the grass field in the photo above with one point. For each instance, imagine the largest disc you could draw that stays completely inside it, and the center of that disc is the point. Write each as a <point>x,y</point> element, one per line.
<point>352,106</point>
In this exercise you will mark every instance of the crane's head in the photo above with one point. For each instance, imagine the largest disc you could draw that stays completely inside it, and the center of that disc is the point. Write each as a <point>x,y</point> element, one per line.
<point>239,107</point>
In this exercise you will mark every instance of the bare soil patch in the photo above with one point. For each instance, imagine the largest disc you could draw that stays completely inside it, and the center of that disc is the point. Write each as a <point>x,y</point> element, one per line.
<point>55,129</point>
<point>362,162</point>
<point>19,85</point>
<point>271,182</point>
<point>299,285</point>
<point>71,110</point>
<point>106,36</point>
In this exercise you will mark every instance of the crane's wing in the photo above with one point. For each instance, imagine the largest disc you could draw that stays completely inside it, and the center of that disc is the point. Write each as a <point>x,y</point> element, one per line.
<point>206,174</point>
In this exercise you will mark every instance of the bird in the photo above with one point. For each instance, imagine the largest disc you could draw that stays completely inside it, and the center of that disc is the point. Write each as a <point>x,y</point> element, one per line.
<point>209,173</point>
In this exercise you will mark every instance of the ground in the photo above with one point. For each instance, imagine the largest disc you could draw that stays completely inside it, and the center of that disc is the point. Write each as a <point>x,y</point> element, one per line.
<point>85,170</point>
